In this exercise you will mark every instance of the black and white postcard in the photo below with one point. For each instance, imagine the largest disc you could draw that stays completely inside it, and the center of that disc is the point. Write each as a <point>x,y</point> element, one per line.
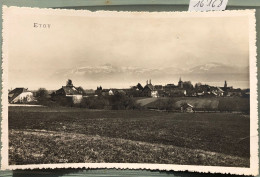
<point>137,90</point>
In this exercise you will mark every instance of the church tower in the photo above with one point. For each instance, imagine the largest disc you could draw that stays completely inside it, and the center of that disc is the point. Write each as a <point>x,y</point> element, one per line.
<point>180,83</point>
<point>225,84</point>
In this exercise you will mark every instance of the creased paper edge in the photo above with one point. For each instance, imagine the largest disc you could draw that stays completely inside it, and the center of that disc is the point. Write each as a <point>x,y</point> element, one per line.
<point>254,161</point>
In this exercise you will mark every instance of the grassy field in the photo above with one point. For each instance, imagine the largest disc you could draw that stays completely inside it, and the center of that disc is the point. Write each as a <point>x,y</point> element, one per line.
<point>57,135</point>
<point>145,101</point>
<point>211,103</point>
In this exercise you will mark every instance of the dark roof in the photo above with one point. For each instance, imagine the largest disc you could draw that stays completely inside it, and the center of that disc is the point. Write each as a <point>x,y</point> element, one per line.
<point>186,105</point>
<point>139,86</point>
<point>71,90</point>
<point>14,93</point>
<point>149,86</point>
<point>81,90</point>
<point>158,87</point>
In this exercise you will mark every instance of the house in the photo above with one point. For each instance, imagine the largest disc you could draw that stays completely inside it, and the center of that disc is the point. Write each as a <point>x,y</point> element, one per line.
<point>191,93</point>
<point>20,95</point>
<point>69,91</point>
<point>226,89</point>
<point>162,93</point>
<point>234,92</point>
<point>98,91</point>
<point>187,108</point>
<point>177,92</point>
<point>110,92</point>
<point>216,91</point>
<point>149,90</point>
<point>203,90</point>
<point>169,87</point>
<point>134,91</point>
<point>106,92</point>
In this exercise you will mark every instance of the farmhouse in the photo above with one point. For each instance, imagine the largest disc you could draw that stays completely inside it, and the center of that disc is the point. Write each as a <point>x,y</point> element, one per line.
<point>69,91</point>
<point>149,90</point>
<point>216,91</point>
<point>187,107</point>
<point>20,95</point>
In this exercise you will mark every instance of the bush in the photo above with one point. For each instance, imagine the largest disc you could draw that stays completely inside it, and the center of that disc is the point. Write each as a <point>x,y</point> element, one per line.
<point>120,101</point>
<point>115,102</point>
<point>234,104</point>
<point>168,105</point>
<point>94,103</point>
<point>42,93</point>
<point>42,96</point>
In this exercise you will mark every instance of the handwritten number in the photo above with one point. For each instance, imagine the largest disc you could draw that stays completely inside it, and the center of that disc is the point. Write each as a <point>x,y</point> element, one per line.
<point>210,3</point>
<point>202,4</point>
<point>196,5</point>
<point>213,4</point>
<point>221,1</point>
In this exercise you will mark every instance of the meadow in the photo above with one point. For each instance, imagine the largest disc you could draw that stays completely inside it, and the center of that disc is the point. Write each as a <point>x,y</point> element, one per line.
<point>222,104</point>
<point>74,135</point>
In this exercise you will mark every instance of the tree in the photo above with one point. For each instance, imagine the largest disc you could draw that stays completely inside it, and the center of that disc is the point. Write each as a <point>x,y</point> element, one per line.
<point>122,101</point>
<point>42,93</point>
<point>197,85</point>
<point>42,96</point>
<point>187,85</point>
<point>69,83</point>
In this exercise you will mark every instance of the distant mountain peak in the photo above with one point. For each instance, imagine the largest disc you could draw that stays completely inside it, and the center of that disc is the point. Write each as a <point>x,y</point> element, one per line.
<point>217,68</point>
<point>108,72</point>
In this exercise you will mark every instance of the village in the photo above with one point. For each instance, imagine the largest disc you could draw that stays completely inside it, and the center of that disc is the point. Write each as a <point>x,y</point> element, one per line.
<point>182,89</point>
<point>77,94</point>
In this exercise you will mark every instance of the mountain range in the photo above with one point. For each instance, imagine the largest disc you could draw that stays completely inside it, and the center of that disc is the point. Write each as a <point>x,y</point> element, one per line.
<point>109,73</point>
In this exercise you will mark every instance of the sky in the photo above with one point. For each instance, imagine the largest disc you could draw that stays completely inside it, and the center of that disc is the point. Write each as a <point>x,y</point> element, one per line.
<point>40,57</point>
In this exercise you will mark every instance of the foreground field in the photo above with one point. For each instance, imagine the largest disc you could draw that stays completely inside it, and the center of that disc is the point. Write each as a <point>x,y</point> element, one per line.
<point>58,135</point>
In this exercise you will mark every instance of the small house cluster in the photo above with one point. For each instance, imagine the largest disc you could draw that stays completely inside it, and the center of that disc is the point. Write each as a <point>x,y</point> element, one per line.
<point>69,91</point>
<point>182,89</point>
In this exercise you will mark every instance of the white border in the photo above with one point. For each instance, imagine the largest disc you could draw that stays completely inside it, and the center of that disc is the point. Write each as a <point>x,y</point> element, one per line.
<point>253,170</point>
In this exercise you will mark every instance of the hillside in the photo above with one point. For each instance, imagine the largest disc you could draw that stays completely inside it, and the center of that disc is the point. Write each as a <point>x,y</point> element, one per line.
<point>203,104</point>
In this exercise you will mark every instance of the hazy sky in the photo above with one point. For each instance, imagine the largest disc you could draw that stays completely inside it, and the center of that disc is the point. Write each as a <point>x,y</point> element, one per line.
<point>35,54</point>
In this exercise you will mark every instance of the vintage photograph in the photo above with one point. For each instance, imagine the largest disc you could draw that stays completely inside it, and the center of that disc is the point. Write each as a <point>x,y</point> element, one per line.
<point>130,88</point>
